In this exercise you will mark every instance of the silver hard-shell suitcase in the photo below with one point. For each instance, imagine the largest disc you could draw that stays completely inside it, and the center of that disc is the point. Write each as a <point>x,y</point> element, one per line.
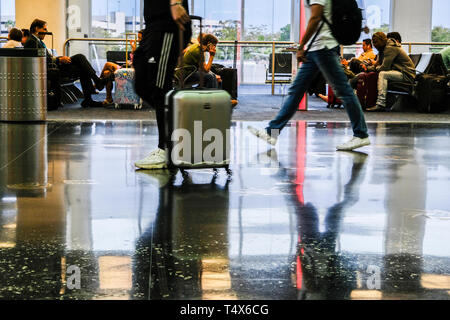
<point>198,125</point>
<point>198,128</point>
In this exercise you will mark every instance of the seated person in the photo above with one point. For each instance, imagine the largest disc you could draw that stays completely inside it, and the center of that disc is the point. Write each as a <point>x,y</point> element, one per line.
<point>14,39</point>
<point>110,68</point>
<point>395,66</point>
<point>191,61</point>
<point>25,35</point>
<point>395,36</point>
<point>76,67</point>
<point>364,58</point>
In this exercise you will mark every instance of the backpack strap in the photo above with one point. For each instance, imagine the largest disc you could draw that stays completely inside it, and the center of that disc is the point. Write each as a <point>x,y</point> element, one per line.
<point>316,35</point>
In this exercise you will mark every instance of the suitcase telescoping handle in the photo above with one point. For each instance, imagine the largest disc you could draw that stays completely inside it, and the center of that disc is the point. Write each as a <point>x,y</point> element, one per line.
<point>202,56</point>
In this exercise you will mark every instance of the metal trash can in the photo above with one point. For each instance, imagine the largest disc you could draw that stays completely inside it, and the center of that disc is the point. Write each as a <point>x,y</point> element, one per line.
<point>23,85</point>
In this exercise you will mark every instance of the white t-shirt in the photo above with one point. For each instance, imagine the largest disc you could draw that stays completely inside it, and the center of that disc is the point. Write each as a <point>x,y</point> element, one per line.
<point>12,44</point>
<point>325,39</point>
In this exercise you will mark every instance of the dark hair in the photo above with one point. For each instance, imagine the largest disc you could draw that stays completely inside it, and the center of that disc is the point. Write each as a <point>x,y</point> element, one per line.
<point>141,31</point>
<point>15,34</point>
<point>37,24</point>
<point>368,42</point>
<point>395,36</point>
<point>26,32</point>
<point>209,38</point>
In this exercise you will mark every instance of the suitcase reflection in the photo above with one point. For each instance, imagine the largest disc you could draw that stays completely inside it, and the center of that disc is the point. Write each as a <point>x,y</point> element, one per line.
<point>184,253</point>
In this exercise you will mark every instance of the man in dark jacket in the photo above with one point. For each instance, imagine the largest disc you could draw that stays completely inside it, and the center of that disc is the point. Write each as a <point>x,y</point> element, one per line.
<point>396,66</point>
<point>74,67</point>
<point>155,61</point>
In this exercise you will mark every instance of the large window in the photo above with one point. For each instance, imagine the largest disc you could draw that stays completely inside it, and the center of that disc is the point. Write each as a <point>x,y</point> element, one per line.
<point>115,18</point>
<point>377,14</point>
<point>7,16</point>
<point>252,20</point>
<point>441,22</point>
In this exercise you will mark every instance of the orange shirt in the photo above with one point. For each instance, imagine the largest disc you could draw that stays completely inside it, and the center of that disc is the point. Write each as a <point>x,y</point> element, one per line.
<point>367,55</point>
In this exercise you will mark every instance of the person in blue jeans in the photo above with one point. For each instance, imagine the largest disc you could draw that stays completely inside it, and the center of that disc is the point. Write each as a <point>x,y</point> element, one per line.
<point>323,56</point>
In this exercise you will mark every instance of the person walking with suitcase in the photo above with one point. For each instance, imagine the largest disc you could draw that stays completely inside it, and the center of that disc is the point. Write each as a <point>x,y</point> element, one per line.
<point>323,56</point>
<point>155,61</point>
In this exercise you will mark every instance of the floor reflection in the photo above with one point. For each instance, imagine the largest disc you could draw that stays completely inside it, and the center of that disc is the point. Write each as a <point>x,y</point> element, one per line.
<point>299,221</point>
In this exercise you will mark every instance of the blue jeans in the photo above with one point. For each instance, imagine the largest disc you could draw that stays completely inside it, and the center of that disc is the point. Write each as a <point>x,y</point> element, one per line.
<point>326,61</point>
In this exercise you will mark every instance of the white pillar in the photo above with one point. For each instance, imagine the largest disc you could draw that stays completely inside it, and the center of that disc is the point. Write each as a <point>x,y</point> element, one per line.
<point>79,23</point>
<point>51,11</point>
<point>412,19</point>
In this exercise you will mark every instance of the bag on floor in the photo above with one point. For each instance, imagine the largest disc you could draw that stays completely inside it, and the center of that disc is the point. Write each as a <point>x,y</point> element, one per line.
<point>229,81</point>
<point>431,93</point>
<point>124,91</point>
<point>367,89</point>
<point>333,101</point>
<point>53,89</point>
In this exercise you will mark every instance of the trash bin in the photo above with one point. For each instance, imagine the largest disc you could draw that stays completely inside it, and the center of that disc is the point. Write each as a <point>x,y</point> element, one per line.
<point>23,85</point>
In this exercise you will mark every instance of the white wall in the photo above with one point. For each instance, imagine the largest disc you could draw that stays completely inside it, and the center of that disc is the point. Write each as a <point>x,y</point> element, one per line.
<point>79,17</point>
<point>413,20</point>
<point>52,11</point>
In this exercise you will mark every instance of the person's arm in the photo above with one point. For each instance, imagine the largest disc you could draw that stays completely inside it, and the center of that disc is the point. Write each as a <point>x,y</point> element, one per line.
<point>133,45</point>
<point>389,56</point>
<point>212,54</point>
<point>179,13</point>
<point>64,60</point>
<point>313,24</point>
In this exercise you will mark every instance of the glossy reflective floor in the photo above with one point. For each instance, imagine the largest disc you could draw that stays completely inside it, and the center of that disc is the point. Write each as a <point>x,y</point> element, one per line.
<point>299,221</point>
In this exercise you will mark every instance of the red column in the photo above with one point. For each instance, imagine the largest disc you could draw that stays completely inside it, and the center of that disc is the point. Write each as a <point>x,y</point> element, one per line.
<point>304,104</point>
<point>299,181</point>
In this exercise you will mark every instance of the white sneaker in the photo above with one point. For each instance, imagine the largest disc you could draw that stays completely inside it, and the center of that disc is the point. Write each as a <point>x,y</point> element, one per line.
<point>156,160</point>
<point>262,134</point>
<point>353,144</point>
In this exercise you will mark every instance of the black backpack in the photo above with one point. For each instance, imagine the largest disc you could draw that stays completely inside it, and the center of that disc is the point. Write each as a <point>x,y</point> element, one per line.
<point>346,21</point>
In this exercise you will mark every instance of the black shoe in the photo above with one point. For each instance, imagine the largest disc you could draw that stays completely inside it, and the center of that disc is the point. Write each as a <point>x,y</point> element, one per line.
<point>91,104</point>
<point>376,108</point>
<point>100,84</point>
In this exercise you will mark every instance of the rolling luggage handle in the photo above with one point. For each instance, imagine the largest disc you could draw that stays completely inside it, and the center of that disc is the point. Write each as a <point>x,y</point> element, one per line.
<point>202,57</point>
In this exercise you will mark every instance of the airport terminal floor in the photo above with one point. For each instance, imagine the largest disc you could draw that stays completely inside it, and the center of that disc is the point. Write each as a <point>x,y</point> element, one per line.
<point>296,221</point>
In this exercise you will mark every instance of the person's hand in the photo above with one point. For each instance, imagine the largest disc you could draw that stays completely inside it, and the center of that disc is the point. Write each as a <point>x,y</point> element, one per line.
<point>371,62</point>
<point>212,50</point>
<point>65,60</point>
<point>133,45</point>
<point>179,15</point>
<point>301,57</point>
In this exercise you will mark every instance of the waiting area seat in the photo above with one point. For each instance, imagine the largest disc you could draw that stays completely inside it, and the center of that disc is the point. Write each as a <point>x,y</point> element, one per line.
<point>283,69</point>
<point>117,57</point>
